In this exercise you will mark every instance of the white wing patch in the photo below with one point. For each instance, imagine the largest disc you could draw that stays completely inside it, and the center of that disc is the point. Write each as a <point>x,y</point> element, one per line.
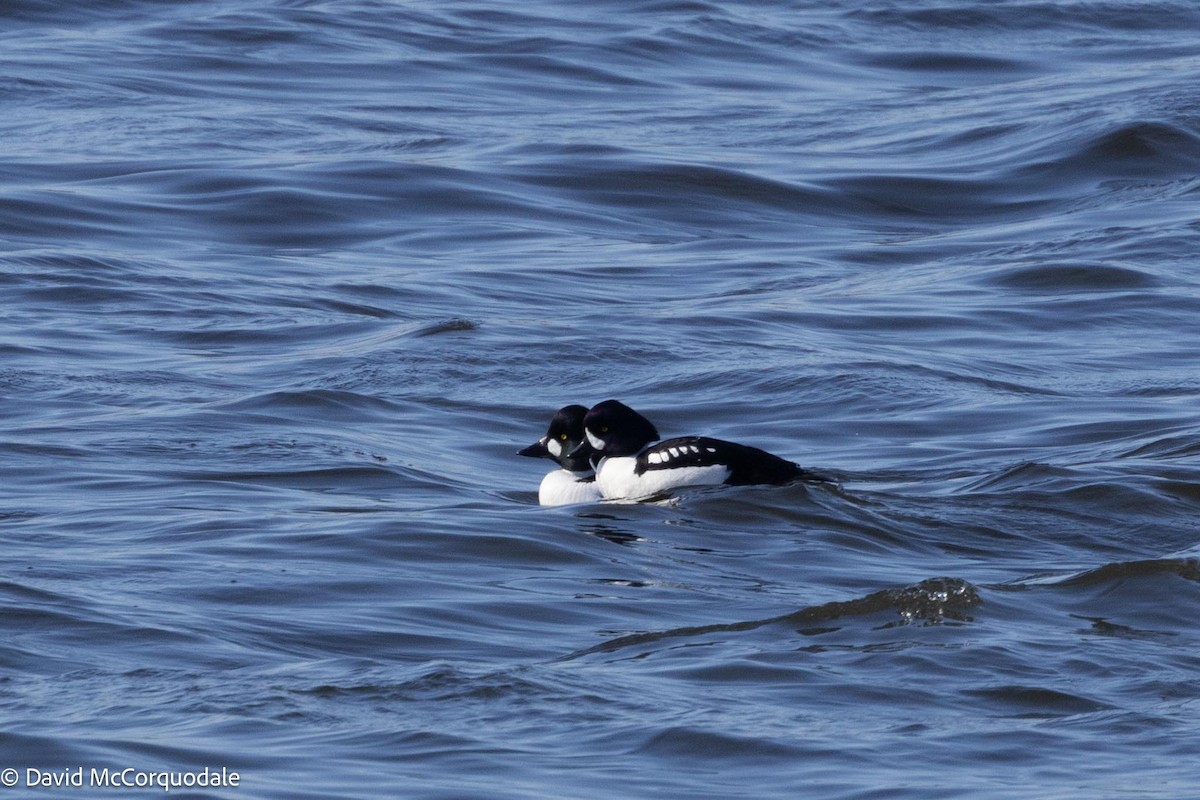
<point>672,452</point>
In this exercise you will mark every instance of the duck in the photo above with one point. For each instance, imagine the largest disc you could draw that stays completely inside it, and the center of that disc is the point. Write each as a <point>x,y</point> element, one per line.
<point>575,480</point>
<point>632,463</point>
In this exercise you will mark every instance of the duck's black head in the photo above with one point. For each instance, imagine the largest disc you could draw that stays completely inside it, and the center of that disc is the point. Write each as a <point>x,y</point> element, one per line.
<point>564,435</point>
<point>614,429</point>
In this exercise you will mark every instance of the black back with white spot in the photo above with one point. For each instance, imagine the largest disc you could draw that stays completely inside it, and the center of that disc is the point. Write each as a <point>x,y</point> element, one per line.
<point>625,432</point>
<point>747,465</point>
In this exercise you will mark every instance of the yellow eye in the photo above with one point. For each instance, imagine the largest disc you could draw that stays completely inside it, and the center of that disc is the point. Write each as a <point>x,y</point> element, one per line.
<point>604,429</point>
<point>562,436</point>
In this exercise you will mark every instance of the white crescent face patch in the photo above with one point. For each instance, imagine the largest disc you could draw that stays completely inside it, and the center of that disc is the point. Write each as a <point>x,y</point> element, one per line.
<point>593,441</point>
<point>554,447</point>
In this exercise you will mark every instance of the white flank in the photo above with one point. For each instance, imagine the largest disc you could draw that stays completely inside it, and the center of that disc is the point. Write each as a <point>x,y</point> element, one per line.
<point>617,480</point>
<point>560,488</point>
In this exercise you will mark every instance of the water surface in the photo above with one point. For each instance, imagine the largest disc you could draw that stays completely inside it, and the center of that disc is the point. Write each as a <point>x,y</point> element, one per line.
<point>288,284</point>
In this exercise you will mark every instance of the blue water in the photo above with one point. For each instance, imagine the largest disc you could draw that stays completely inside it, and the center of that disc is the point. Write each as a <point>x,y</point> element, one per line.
<point>286,285</point>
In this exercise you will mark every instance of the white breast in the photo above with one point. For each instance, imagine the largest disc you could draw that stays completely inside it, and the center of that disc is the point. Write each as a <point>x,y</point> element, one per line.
<point>561,487</point>
<point>617,480</point>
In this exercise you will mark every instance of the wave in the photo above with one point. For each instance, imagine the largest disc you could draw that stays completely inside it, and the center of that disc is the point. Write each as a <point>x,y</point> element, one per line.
<point>1033,16</point>
<point>1109,575</point>
<point>930,602</point>
<point>1070,277</point>
<point>338,403</point>
<point>345,480</point>
<point>686,194</point>
<point>1142,150</point>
